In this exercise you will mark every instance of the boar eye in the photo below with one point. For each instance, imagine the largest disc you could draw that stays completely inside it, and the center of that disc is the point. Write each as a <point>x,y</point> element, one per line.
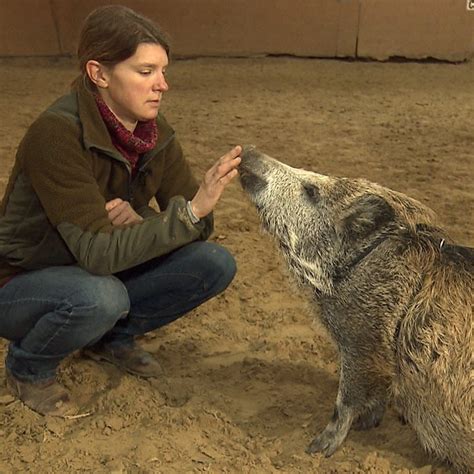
<point>312,192</point>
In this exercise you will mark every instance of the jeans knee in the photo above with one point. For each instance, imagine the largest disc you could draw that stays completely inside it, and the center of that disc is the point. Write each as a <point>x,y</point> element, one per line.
<point>224,266</point>
<point>107,299</point>
<point>113,301</point>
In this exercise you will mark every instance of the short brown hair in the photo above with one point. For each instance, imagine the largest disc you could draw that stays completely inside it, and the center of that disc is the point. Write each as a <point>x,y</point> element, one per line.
<point>112,34</point>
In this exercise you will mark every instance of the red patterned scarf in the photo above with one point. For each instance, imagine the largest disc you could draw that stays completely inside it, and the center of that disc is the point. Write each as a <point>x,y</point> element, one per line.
<point>130,145</point>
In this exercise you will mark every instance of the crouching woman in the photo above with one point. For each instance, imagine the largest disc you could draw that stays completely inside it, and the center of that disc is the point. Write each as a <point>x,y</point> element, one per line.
<point>85,262</point>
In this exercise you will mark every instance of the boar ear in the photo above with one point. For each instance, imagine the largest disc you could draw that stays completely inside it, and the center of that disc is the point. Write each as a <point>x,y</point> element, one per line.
<point>366,215</point>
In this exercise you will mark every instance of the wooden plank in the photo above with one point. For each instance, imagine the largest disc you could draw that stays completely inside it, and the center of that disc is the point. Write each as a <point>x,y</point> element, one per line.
<point>324,28</point>
<point>27,28</point>
<point>441,29</point>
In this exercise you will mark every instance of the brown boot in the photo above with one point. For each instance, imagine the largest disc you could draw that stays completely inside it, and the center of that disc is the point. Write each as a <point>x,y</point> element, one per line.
<point>46,397</point>
<point>133,359</point>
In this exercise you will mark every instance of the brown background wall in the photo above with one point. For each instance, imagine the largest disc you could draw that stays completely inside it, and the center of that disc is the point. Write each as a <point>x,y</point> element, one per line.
<point>379,29</point>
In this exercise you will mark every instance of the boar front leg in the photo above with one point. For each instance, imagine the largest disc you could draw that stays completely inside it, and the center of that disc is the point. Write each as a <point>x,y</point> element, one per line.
<point>361,401</point>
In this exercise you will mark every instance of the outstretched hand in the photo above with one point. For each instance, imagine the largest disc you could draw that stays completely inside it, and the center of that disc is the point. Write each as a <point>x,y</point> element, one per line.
<point>214,182</point>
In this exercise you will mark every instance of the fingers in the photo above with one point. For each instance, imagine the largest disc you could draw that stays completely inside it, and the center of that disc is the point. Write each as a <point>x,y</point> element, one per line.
<point>226,165</point>
<point>215,180</point>
<point>224,170</point>
<point>113,203</point>
<point>230,155</point>
<point>121,212</point>
<point>226,179</point>
<point>116,214</point>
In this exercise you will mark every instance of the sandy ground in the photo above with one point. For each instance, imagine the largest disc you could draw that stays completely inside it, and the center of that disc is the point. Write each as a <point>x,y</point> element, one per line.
<point>250,377</point>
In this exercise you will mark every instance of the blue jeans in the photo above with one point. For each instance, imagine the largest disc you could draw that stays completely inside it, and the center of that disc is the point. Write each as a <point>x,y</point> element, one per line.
<point>47,314</point>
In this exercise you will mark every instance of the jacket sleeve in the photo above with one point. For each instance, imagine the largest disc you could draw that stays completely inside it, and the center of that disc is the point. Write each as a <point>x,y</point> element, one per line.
<point>146,212</point>
<point>61,174</point>
<point>179,179</point>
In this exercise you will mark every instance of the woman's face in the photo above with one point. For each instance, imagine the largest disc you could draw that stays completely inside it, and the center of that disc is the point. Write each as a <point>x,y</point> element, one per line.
<point>134,87</point>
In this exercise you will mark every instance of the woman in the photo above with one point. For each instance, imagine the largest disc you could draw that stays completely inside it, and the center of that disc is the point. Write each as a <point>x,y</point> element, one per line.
<point>84,261</point>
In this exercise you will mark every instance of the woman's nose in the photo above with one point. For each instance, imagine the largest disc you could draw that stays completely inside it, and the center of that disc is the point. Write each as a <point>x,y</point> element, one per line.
<point>161,84</point>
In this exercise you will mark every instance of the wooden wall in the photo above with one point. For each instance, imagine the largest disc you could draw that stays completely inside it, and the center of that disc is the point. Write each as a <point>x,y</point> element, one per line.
<point>378,29</point>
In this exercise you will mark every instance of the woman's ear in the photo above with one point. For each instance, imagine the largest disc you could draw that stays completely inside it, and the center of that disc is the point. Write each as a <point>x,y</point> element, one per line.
<point>97,73</point>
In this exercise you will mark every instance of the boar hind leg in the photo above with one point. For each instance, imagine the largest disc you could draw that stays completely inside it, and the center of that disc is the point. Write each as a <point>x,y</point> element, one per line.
<point>371,418</point>
<point>360,403</point>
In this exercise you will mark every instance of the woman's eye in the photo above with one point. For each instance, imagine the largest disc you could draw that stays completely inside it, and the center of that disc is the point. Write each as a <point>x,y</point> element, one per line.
<point>312,191</point>
<point>145,73</point>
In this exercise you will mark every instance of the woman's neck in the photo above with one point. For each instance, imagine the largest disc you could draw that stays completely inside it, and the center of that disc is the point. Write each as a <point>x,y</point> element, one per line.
<point>128,124</point>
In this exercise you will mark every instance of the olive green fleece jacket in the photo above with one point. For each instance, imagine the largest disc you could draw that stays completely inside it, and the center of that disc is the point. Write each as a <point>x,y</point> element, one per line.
<point>66,169</point>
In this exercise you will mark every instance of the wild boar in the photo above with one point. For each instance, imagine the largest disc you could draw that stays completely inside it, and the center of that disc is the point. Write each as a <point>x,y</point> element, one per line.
<point>393,291</point>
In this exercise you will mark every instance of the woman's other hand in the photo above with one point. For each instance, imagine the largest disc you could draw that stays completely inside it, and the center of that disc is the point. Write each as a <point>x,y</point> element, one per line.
<point>121,212</point>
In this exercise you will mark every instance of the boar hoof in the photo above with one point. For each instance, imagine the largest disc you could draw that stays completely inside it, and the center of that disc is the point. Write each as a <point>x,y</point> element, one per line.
<point>326,443</point>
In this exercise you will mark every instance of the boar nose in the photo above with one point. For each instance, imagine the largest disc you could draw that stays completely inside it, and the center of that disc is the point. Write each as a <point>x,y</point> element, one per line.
<point>253,161</point>
<point>249,152</point>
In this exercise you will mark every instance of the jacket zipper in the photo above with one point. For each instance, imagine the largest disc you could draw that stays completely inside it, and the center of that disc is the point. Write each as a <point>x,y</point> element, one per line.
<point>142,171</point>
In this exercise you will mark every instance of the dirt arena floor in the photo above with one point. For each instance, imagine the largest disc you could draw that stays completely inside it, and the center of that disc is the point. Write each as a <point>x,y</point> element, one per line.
<point>250,377</point>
